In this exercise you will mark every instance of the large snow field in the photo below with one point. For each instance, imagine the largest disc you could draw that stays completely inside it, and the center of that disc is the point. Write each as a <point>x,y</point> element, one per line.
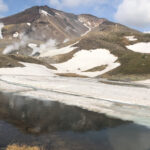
<point>125,102</point>
<point>88,59</point>
<point>140,47</point>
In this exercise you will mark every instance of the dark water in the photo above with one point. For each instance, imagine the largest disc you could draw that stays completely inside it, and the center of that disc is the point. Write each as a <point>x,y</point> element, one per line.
<point>57,126</point>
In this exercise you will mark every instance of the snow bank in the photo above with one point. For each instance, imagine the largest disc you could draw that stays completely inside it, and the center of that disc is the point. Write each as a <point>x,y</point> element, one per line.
<point>131,38</point>
<point>1,27</point>
<point>140,47</point>
<point>29,69</point>
<point>88,59</point>
<point>124,102</point>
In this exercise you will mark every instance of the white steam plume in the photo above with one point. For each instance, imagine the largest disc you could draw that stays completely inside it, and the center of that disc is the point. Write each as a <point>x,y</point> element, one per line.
<point>15,46</point>
<point>49,45</point>
<point>1,27</point>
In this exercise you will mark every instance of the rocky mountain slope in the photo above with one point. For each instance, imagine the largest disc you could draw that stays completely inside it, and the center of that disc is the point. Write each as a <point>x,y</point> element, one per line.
<point>76,45</point>
<point>42,23</point>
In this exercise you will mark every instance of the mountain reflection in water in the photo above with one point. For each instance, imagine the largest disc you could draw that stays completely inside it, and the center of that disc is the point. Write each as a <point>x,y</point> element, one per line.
<point>56,126</point>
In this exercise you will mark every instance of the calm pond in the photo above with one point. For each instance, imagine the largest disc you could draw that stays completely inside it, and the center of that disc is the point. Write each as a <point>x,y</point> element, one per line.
<point>56,126</point>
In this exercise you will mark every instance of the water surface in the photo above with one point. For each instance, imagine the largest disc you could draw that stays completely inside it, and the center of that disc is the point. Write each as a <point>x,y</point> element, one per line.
<point>56,126</point>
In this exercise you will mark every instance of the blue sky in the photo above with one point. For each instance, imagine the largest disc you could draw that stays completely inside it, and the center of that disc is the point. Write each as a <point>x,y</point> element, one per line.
<point>134,13</point>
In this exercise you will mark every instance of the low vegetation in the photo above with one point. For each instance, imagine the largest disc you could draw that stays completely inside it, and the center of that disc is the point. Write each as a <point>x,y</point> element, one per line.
<point>23,147</point>
<point>9,61</point>
<point>71,75</point>
<point>98,68</point>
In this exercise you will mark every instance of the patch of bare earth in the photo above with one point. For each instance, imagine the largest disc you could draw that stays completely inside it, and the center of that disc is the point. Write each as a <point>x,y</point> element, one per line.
<point>98,68</point>
<point>71,75</point>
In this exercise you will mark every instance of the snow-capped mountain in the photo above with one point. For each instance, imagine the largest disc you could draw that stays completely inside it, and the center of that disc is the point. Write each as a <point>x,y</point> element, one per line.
<point>75,45</point>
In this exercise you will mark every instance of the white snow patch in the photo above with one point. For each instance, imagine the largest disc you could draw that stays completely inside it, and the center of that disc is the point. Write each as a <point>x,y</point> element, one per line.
<point>66,40</point>
<point>145,82</point>
<point>140,47</point>
<point>34,47</point>
<point>28,23</point>
<point>89,29</point>
<point>89,23</point>
<point>43,12</point>
<point>81,20</point>
<point>88,59</point>
<point>16,34</point>
<point>29,69</point>
<point>131,38</point>
<point>49,52</point>
<point>1,27</point>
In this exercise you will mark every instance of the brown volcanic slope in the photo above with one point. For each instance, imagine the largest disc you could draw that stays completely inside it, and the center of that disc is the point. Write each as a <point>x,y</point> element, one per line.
<point>48,23</point>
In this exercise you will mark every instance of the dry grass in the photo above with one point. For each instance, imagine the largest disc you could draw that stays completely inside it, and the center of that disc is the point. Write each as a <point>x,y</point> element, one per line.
<point>7,62</point>
<point>98,68</point>
<point>64,57</point>
<point>71,75</point>
<point>23,147</point>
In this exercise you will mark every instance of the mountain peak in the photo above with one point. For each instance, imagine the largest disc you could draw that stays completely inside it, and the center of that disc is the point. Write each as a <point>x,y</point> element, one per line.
<point>28,15</point>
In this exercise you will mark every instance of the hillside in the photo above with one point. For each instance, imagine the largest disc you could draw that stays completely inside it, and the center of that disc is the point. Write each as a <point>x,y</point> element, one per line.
<point>77,45</point>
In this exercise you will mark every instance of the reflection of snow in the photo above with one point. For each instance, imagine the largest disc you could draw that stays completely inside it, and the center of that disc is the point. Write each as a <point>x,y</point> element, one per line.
<point>140,47</point>
<point>88,59</point>
<point>123,137</point>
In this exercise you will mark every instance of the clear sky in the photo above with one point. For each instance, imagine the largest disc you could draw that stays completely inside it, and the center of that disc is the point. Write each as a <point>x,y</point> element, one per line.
<point>134,13</point>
